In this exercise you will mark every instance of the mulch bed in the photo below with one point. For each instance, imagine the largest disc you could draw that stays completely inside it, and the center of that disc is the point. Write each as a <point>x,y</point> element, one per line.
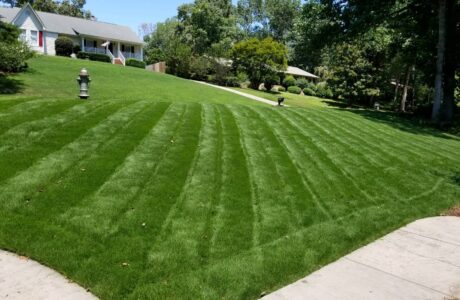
<point>455,212</point>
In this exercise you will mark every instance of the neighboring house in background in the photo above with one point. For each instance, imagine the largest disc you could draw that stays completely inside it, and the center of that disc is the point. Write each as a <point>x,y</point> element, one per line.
<point>297,72</point>
<point>41,30</point>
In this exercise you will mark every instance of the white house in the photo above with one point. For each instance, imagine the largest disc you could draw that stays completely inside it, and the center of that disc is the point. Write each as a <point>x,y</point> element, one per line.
<point>41,30</point>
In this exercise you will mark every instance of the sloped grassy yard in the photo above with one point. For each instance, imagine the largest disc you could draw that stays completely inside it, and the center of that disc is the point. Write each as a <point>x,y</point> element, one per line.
<point>161,188</point>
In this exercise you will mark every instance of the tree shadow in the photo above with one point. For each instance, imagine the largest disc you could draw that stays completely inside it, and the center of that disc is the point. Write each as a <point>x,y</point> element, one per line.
<point>10,85</point>
<point>403,122</point>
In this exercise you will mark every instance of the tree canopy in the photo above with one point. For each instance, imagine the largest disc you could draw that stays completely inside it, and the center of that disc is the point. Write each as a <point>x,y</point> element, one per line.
<point>73,8</point>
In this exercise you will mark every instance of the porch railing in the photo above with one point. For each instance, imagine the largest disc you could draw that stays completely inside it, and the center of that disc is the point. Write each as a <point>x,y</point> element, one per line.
<point>95,50</point>
<point>122,58</point>
<point>132,55</point>
<point>109,53</point>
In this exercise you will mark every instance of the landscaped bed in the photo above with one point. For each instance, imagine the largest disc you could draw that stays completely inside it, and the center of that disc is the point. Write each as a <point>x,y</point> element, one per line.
<point>158,187</point>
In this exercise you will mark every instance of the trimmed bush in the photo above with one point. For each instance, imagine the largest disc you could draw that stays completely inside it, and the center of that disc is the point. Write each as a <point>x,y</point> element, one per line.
<point>94,56</point>
<point>289,81</point>
<point>309,92</point>
<point>281,89</point>
<point>64,46</point>
<point>131,62</point>
<point>301,83</point>
<point>294,90</point>
<point>76,49</point>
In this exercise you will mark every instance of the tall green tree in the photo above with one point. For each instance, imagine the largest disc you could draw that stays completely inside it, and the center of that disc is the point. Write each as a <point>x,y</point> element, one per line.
<point>259,59</point>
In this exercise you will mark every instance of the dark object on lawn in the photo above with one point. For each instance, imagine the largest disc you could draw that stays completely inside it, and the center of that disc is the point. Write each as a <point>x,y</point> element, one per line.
<point>280,101</point>
<point>84,80</point>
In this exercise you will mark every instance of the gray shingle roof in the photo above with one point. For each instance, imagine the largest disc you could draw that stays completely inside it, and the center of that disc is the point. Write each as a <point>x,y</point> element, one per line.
<point>76,26</point>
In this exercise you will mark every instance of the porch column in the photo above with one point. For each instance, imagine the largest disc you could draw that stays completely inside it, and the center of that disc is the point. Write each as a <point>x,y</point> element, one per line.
<point>83,44</point>
<point>118,49</point>
<point>142,53</point>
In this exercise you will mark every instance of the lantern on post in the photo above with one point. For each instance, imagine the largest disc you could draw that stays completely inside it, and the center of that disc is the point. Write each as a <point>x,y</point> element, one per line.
<point>84,80</point>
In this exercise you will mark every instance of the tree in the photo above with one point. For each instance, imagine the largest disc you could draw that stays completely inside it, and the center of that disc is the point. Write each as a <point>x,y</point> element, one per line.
<point>160,41</point>
<point>262,18</point>
<point>259,59</point>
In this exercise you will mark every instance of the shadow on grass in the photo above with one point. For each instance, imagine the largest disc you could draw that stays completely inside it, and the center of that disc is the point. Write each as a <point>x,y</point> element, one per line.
<point>10,85</point>
<point>406,123</point>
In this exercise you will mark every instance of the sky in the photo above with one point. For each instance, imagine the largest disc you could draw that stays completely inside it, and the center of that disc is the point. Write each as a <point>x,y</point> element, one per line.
<point>134,12</point>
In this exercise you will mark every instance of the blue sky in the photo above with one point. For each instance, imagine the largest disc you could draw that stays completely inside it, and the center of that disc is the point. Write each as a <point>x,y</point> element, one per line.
<point>133,13</point>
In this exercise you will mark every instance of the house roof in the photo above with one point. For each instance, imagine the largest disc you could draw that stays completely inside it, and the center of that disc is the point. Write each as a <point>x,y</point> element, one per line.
<point>77,26</point>
<point>299,72</point>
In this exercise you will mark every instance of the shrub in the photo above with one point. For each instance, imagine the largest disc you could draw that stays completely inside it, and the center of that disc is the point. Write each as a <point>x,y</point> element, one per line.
<point>309,92</point>
<point>289,81</point>
<point>76,49</point>
<point>64,46</point>
<point>323,90</point>
<point>301,83</point>
<point>13,56</point>
<point>294,90</point>
<point>232,81</point>
<point>131,62</point>
<point>94,56</point>
<point>271,80</point>
<point>281,89</point>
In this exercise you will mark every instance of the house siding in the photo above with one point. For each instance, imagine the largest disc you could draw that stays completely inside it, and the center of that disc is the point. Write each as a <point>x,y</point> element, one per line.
<point>50,39</point>
<point>28,22</point>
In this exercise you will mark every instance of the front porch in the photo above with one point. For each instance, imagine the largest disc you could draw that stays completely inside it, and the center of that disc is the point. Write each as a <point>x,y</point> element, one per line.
<point>119,52</point>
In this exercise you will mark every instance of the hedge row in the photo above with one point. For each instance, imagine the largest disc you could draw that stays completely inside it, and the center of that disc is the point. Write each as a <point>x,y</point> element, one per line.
<point>135,63</point>
<point>94,56</point>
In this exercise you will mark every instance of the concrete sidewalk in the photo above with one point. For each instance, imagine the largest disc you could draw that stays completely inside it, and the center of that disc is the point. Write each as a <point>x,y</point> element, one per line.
<point>21,278</point>
<point>419,261</point>
<point>249,96</point>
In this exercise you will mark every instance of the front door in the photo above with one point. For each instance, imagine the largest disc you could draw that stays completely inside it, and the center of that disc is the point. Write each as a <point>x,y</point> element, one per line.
<point>111,47</point>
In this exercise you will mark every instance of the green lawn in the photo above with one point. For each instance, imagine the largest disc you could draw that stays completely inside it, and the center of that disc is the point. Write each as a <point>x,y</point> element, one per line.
<point>160,188</point>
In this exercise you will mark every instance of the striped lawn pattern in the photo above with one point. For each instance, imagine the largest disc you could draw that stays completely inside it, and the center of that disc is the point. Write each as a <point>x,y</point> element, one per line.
<point>142,199</point>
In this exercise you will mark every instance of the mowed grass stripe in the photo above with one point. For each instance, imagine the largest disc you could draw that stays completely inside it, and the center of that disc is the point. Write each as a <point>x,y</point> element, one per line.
<point>212,147</point>
<point>85,178</point>
<point>319,171</point>
<point>134,242</point>
<point>158,197</point>
<point>349,155</point>
<point>177,247</point>
<point>25,144</point>
<point>275,212</point>
<point>99,211</point>
<point>406,139</point>
<point>18,188</point>
<point>352,193</point>
<point>393,166</point>
<point>35,110</point>
<point>302,206</point>
<point>235,223</point>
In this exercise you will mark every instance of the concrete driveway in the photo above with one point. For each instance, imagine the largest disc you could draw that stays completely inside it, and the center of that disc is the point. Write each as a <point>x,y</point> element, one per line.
<point>419,261</point>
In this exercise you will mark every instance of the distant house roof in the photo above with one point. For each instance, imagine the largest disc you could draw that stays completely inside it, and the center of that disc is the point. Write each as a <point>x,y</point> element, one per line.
<point>77,26</point>
<point>299,72</point>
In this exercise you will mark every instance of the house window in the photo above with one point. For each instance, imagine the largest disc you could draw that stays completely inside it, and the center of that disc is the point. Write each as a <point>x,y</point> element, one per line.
<point>34,38</point>
<point>95,44</point>
<point>122,48</point>
<point>23,35</point>
<point>132,49</point>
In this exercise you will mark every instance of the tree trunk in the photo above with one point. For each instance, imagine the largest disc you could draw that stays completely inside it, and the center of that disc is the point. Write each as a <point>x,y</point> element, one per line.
<point>406,87</point>
<point>438,85</point>
<point>396,90</point>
